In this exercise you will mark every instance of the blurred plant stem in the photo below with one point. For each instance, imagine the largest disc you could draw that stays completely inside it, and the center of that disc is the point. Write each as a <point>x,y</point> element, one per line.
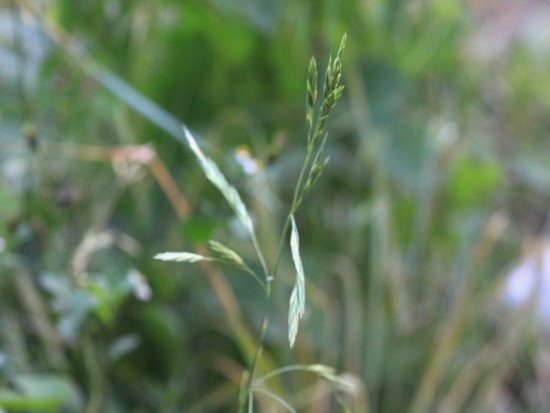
<point>93,363</point>
<point>447,340</point>
<point>39,317</point>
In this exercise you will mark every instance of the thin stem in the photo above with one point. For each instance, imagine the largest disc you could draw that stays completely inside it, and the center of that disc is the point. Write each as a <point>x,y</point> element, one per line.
<point>257,352</point>
<point>248,270</point>
<point>259,254</point>
<point>281,245</point>
<point>276,398</point>
<point>296,200</point>
<point>287,369</point>
<point>95,377</point>
<point>293,208</point>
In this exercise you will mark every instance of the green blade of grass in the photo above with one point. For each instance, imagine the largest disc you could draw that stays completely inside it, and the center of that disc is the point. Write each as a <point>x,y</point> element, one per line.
<point>215,175</point>
<point>298,296</point>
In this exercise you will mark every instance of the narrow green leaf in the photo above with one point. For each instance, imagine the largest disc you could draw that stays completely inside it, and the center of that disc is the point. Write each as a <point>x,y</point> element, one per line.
<point>298,296</point>
<point>215,176</point>
<point>231,195</point>
<point>300,276</point>
<point>293,317</point>
<point>181,257</point>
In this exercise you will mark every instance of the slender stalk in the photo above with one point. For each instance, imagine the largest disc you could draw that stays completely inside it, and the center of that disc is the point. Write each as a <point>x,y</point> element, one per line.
<point>277,398</point>
<point>95,376</point>
<point>257,352</point>
<point>316,119</point>
<point>260,255</point>
<point>293,208</point>
<point>287,369</point>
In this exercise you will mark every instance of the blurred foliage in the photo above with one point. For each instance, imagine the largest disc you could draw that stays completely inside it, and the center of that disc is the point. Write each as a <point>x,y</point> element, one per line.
<point>438,177</point>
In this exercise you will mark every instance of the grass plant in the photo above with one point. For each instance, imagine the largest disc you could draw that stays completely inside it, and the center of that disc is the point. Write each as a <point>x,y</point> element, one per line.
<point>383,285</point>
<point>312,168</point>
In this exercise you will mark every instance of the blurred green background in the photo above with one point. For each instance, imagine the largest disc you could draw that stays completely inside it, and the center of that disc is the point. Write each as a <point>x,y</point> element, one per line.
<point>439,183</point>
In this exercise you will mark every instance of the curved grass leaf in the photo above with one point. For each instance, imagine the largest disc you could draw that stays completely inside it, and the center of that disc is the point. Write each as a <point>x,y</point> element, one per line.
<point>277,398</point>
<point>298,296</point>
<point>319,369</point>
<point>215,176</point>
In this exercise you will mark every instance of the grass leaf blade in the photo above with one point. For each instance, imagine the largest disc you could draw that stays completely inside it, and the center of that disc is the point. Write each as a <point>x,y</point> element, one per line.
<point>297,303</point>
<point>293,317</point>
<point>215,176</point>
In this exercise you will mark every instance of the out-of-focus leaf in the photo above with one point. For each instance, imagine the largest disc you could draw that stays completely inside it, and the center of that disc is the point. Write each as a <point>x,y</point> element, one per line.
<point>70,303</point>
<point>15,401</point>
<point>40,392</point>
<point>74,314</point>
<point>473,181</point>
<point>122,346</point>
<point>262,15</point>
<point>10,202</point>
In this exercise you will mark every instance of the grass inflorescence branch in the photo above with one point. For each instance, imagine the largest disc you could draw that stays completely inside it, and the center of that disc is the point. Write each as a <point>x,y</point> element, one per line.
<point>316,160</point>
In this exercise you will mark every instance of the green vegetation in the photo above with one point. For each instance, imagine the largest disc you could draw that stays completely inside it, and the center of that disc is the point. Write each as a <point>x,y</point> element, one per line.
<point>437,180</point>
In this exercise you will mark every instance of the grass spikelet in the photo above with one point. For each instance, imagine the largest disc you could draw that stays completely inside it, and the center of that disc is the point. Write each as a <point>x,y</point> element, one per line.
<point>181,257</point>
